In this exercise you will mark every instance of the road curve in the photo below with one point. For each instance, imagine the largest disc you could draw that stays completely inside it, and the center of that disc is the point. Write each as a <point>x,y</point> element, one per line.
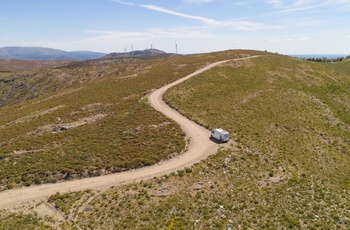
<point>199,148</point>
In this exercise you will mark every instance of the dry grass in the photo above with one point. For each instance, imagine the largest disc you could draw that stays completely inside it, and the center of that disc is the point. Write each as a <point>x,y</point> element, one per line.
<point>286,166</point>
<point>78,119</point>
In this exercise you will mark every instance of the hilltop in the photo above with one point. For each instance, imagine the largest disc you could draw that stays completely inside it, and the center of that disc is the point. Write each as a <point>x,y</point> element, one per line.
<point>286,166</point>
<point>146,52</point>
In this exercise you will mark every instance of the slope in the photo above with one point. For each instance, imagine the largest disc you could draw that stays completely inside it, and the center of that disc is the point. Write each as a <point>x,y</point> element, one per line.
<point>199,148</point>
<point>287,166</point>
<point>89,119</point>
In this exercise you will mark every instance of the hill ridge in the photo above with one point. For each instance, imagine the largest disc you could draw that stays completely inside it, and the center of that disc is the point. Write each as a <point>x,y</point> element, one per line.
<point>41,53</point>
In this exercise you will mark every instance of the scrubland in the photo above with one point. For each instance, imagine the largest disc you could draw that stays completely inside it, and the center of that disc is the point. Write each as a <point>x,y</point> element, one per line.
<point>286,165</point>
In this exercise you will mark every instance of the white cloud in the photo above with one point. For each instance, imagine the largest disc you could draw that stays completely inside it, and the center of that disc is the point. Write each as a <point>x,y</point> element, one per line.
<point>304,38</point>
<point>240,25</point>
<point>289,6</point>
<point>241,3</point>
<point>311,22</point>
<point>289,39</point>
<point>276,3</point>
<point>296,39</point>
<point>102,37</point>
<point>235,41</point>
<point>123,2</point>
<point>106,35</point>
<point>342,3</point>
<point>209,23</point>
<point>293,6</point>
<point>197,1</point>
<point>160,38</point>
<point>181,33</point>
<point>163,10</point>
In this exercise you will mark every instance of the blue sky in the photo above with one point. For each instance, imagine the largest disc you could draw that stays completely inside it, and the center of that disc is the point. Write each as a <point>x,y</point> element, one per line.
<point>197,26</point>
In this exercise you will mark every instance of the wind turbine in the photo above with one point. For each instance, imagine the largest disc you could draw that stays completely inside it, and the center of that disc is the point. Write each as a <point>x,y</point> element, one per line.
<point>125,49</point>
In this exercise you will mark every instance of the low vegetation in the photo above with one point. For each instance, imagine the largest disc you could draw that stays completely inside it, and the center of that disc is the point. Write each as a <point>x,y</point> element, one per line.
<point>95,126</point>
<point>294,117</point>
<point>88,119</point>
<point>22,221</point>
<point>286,166</point>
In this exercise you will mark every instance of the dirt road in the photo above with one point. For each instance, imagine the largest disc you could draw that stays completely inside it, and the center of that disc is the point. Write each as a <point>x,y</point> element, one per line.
<point>200,147</point>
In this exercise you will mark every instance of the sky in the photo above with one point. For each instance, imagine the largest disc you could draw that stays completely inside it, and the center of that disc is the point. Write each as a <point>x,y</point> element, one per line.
<point>193,26</point>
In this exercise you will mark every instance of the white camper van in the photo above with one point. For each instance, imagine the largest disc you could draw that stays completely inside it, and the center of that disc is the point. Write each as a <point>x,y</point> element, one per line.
<point>220,135</point>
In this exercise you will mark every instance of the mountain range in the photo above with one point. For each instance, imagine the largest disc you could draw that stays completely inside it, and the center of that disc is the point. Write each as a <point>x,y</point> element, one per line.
<point>328,56</point>
<point>39,53</point>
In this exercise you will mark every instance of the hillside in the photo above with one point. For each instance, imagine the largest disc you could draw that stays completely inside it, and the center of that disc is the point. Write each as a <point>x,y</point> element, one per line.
<point>22,80</point>
<point>286,166</point>
<point>111,127</point>
<point>146,52</point>
<point>39,53</point>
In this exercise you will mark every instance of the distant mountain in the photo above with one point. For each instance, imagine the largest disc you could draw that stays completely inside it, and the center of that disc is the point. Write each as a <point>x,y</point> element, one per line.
<point>39,53</point>
<point>328,56</point>
<point>136,53</point>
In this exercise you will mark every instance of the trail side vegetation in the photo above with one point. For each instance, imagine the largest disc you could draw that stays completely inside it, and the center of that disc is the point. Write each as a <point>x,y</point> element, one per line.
<point>21,220</point>
<point>285,167</point>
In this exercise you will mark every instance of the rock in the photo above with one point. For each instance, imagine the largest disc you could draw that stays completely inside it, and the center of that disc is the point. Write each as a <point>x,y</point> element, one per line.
<point>197,187</point>
<point>55,129</point>
<point>227,160</point>
<point>163,188</point>
<point>342,220</point>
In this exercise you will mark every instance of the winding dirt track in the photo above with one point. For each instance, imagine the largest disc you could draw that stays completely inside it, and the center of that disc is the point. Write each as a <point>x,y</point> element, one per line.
<point>199,148</point>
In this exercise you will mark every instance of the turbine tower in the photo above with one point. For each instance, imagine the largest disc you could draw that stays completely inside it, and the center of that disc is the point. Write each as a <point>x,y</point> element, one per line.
<point>125,49</point>
<point>175,47</point>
